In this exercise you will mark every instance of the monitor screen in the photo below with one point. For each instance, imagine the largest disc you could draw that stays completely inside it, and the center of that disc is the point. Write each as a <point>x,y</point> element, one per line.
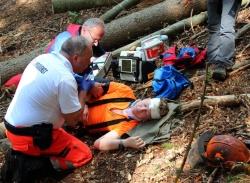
<point>126,65</point>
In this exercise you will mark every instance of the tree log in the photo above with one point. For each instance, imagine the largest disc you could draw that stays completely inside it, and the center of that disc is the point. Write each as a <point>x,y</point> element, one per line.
<point>128,28</point>
<point>170,30</point>
<point>111,14</point>
<point>59,6</point>
<point>14,66</point>
<point>226,100</point>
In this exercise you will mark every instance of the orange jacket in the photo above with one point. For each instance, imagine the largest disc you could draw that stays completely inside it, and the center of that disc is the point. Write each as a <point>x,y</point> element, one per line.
<point>102,113</point>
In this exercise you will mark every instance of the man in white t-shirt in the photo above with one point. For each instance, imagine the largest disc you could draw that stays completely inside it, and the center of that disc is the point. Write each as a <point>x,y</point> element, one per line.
<point>46,97</point>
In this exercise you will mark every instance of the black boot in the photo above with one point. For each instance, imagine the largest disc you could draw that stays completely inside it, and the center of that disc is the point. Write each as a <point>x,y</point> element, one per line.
<point>21,168</point>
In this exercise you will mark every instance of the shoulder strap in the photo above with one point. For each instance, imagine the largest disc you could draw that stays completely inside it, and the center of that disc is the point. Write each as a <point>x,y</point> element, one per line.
<point>107,123</point>
<point>105,101</point>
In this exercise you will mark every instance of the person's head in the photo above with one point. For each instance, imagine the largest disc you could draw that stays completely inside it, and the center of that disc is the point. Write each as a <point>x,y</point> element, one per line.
<point>78,51</point>
<point>93,30</point>
<point>150,108</point>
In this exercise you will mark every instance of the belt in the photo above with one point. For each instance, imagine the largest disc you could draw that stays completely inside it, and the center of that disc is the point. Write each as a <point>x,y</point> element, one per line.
<point>23,131</point>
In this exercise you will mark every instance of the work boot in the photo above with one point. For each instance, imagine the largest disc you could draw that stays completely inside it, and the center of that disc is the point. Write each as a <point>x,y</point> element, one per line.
<point>219,72</point>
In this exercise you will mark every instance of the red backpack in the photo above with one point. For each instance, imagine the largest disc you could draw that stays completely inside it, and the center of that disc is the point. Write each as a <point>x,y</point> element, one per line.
<point>184,57</point>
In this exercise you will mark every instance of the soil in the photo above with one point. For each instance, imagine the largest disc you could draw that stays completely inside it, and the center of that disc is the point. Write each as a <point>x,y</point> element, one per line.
<point>28,24</point>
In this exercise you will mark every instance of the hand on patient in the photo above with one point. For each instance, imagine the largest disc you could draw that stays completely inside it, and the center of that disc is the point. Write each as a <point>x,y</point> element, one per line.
<point>85,113</point>
<point>134,142</point>
<point>97,90</point>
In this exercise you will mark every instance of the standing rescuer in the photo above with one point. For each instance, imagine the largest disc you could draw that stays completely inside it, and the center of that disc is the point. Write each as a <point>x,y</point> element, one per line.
<point>221,42</point>
<point>47,96</point>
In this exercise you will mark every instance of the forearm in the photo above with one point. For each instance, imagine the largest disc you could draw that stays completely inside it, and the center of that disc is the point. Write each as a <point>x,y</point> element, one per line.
<point>109,144</point>
<point>82,97</point>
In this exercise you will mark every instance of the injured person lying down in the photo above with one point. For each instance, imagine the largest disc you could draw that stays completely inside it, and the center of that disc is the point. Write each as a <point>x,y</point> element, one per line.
<point>117,112</point>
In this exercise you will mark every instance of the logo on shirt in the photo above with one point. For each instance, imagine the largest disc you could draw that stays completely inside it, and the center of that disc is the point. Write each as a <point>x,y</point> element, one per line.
<point>41,68</point>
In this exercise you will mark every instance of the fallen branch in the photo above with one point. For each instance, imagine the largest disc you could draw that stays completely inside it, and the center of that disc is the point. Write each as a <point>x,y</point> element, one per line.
<point>198,34</point>
<point>242,31</point>
<point>239,69</point>
<point>212,175</point>
<point>244,49</point>
<point>226,100</point>
<point>47,28</point>
<point>111,14</point>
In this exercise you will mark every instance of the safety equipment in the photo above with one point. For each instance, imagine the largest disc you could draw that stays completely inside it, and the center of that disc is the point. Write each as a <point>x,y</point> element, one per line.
<point>153,47</point>
<point>219,150</point>
<point>226,150</point>
<point>133,67</point>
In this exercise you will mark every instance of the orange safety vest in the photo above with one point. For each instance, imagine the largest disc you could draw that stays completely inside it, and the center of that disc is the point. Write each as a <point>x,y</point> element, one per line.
<point>99,116</point>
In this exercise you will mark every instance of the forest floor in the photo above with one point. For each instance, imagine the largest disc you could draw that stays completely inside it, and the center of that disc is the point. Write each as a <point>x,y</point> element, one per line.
<point>27,24</point>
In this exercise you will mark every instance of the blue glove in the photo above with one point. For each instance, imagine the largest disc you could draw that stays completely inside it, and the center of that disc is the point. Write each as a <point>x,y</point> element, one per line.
<point>84,83</point>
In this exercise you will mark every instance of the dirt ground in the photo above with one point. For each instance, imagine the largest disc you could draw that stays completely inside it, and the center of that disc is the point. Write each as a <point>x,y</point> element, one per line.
<point>28,24</point>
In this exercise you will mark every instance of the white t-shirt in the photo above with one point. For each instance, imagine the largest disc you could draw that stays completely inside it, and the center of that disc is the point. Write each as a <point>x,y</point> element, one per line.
<point>46,90</point>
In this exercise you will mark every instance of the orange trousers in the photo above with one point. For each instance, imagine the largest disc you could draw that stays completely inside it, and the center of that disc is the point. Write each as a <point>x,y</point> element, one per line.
<point>66,152</point>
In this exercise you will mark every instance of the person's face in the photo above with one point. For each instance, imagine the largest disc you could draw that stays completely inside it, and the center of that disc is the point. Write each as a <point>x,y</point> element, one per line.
<point>81,62</point>
<point>93,34</point>
<point>141,109</point>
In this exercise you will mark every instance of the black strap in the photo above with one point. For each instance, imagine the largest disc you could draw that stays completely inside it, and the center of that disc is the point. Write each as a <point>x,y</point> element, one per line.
<point>23,131</point>
<point>107,123</point>
<point>105,101</point>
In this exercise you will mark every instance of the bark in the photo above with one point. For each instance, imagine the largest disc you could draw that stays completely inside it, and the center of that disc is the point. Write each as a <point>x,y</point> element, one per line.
<point>170,30</point>
<point>226,100</point>
<point>112,13</point>
<point>130,27</point>
<point>14,66</point>
<point>59,6</point>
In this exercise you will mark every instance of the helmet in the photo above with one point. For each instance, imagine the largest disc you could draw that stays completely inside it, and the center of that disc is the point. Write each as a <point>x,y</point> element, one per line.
<point>225,150</point>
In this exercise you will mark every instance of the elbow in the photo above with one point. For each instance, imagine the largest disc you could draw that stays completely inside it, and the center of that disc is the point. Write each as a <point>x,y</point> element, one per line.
<point>97,144</point>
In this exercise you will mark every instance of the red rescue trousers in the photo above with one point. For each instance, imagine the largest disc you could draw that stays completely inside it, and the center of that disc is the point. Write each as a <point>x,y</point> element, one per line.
<point>66,151</point>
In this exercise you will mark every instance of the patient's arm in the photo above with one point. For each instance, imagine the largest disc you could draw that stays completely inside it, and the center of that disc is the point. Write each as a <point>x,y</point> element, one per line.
<point>111,141</point>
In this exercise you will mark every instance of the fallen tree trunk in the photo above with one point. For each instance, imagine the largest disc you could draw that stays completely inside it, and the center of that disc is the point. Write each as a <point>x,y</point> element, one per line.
<point>59,6</point>
<point>130,27</point>
<point>170,30</point>
<point>226,100</point>
<point>17,65</point>
<point>111,14</point>
<point>14,66</point>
